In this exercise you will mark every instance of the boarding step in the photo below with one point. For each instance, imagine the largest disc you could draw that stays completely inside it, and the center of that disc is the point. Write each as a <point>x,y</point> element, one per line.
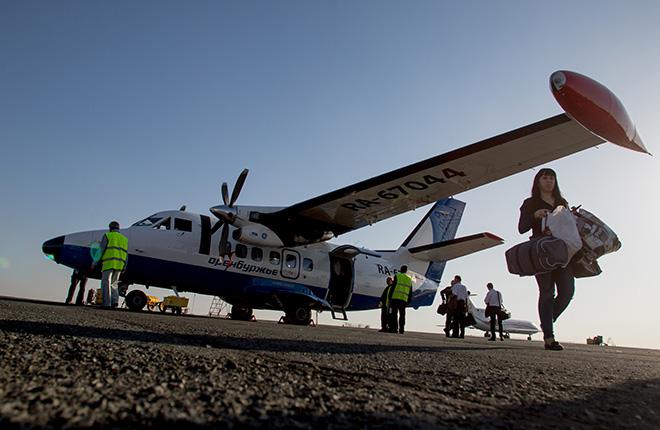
<point>338,309</point>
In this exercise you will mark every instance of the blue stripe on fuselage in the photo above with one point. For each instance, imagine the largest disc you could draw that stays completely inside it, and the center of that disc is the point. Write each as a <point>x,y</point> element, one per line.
<point>233,286</point>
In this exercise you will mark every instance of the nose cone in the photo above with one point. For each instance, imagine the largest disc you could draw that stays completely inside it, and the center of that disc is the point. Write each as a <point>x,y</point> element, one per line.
<point>53,248</point>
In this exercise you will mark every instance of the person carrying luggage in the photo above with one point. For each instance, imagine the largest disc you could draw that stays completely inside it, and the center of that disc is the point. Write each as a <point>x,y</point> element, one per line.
<point>450,300</point>
<point>461,294</point>
<point>545,197</point>
<point>493,302</point>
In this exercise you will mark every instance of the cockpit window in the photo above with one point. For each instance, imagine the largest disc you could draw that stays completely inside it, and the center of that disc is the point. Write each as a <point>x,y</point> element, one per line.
<point>182,224</point>
<point>148,222</point>
<point>164,224</point>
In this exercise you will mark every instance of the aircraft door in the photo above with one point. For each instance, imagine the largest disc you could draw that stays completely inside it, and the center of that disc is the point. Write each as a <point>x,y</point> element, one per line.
<point>342,275</point>
<point>290,264</point>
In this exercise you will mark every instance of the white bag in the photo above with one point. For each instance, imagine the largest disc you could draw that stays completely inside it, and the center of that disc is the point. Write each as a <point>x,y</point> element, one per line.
<point>562,224</point>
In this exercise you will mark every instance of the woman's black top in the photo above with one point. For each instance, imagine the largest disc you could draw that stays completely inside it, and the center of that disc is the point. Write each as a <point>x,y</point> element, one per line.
<point>527,210</point>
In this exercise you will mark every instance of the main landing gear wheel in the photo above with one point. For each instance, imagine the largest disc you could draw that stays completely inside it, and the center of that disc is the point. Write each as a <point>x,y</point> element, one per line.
<point>241,313</point>
<point>300,315</point>
<point>136,300</point>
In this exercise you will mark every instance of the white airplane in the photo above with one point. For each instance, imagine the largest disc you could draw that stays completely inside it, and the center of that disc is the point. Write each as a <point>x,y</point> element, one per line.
<point>280,257</point>
<point>509,326</point>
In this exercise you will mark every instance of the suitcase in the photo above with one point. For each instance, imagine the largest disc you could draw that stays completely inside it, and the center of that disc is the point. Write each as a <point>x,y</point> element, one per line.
<point>536,256</point>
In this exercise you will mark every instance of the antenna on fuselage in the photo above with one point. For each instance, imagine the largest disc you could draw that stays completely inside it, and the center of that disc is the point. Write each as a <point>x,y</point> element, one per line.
<point>182,208</point>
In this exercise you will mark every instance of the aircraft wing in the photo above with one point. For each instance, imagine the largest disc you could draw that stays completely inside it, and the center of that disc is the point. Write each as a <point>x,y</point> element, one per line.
<point>450,249</point>
<point>462,169</point>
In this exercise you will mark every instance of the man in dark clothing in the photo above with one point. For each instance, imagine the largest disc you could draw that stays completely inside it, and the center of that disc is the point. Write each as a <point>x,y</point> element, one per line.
<point>78,278</point>
<point>384,307</point>
<point>448,298</point>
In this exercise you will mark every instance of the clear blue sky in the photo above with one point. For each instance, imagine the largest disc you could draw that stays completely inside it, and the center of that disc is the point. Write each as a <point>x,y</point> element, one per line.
<point>310,96</point>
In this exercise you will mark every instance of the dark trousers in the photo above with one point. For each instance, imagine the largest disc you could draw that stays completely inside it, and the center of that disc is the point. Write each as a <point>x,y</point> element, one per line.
<point>80,281</point>
<point>494,313</point>
<point>398,306</point>
<point>448,322</point>
<point>458,325</point>
<point>384,319</point>
<point>551,306</point>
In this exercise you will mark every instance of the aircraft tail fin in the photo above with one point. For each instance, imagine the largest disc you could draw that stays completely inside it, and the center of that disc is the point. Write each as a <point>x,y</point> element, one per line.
<point>439,225</point>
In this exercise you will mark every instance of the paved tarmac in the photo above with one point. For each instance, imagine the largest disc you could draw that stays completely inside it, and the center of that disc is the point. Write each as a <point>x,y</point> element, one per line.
<point>80,367</point>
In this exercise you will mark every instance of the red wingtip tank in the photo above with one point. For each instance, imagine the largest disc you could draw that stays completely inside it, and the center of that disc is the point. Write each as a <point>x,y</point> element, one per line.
<point>596,108</point>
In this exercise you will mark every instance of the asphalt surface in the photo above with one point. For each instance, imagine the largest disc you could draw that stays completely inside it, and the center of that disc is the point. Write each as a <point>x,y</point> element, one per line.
<point>72,367</point>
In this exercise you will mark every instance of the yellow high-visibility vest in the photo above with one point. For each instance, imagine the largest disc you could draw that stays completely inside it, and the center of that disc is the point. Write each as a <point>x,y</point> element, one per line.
<point>403,287</point>
<point>116,253</point>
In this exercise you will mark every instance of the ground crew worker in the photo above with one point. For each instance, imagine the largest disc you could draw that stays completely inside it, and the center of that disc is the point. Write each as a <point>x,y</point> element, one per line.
<point>400,295</point>
<point>78,279</point>
<point>385,306</point>
<point>114,247</point>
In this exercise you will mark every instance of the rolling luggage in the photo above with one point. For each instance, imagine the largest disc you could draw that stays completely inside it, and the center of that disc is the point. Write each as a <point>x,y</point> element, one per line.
<point>536,256</point>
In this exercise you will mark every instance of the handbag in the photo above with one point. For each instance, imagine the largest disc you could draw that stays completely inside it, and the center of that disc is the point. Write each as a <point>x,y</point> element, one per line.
<point>503,314</point>
<point>562,224</point>
<point>442,308</point>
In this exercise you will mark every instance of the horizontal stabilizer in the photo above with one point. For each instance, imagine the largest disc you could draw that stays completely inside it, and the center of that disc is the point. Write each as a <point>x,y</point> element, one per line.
<point>450,249</point>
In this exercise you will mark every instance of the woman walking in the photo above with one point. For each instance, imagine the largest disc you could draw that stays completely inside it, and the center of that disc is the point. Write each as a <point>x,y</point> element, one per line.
<point>545,198</point>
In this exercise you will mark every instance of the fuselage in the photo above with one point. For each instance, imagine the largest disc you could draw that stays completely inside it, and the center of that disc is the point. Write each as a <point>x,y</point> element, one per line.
<point>509,326</point>
<point>174,249</point>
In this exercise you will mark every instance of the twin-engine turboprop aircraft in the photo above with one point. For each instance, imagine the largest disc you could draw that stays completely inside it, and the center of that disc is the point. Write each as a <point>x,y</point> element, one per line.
<point>280,257</point>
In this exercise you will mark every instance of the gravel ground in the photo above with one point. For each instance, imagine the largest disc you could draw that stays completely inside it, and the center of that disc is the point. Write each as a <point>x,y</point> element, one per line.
<point>72,367</point>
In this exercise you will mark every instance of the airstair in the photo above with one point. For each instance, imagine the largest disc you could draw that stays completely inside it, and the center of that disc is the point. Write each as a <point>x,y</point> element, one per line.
<point>218,306</point>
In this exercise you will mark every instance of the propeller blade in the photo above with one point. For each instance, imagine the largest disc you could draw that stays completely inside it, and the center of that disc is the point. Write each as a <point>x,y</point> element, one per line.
<point>225,193</point>
<point>216,226</point>
<point>237,188</point>
<point>223,246</point>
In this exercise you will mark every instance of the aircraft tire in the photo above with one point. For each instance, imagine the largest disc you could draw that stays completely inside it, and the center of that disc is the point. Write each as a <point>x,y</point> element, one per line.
<point>299,315</point>
<point>136,300</point>
<point>241,313</point>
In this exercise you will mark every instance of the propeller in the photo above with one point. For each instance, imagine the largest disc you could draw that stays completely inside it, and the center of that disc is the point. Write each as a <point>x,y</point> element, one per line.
<point>226,214</point>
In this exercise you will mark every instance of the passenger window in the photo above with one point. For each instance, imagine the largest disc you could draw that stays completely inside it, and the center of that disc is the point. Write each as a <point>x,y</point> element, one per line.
<point>291,261</point>
<point>274,257</point>
<point>308,264</point>
<point>241,250</point>
<point>257,254</point>
<point>164,225</point>
<point>182,224</point>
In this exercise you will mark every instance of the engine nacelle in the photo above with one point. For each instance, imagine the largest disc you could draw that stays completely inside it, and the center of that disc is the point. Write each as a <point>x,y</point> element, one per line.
<point>257,234</point>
